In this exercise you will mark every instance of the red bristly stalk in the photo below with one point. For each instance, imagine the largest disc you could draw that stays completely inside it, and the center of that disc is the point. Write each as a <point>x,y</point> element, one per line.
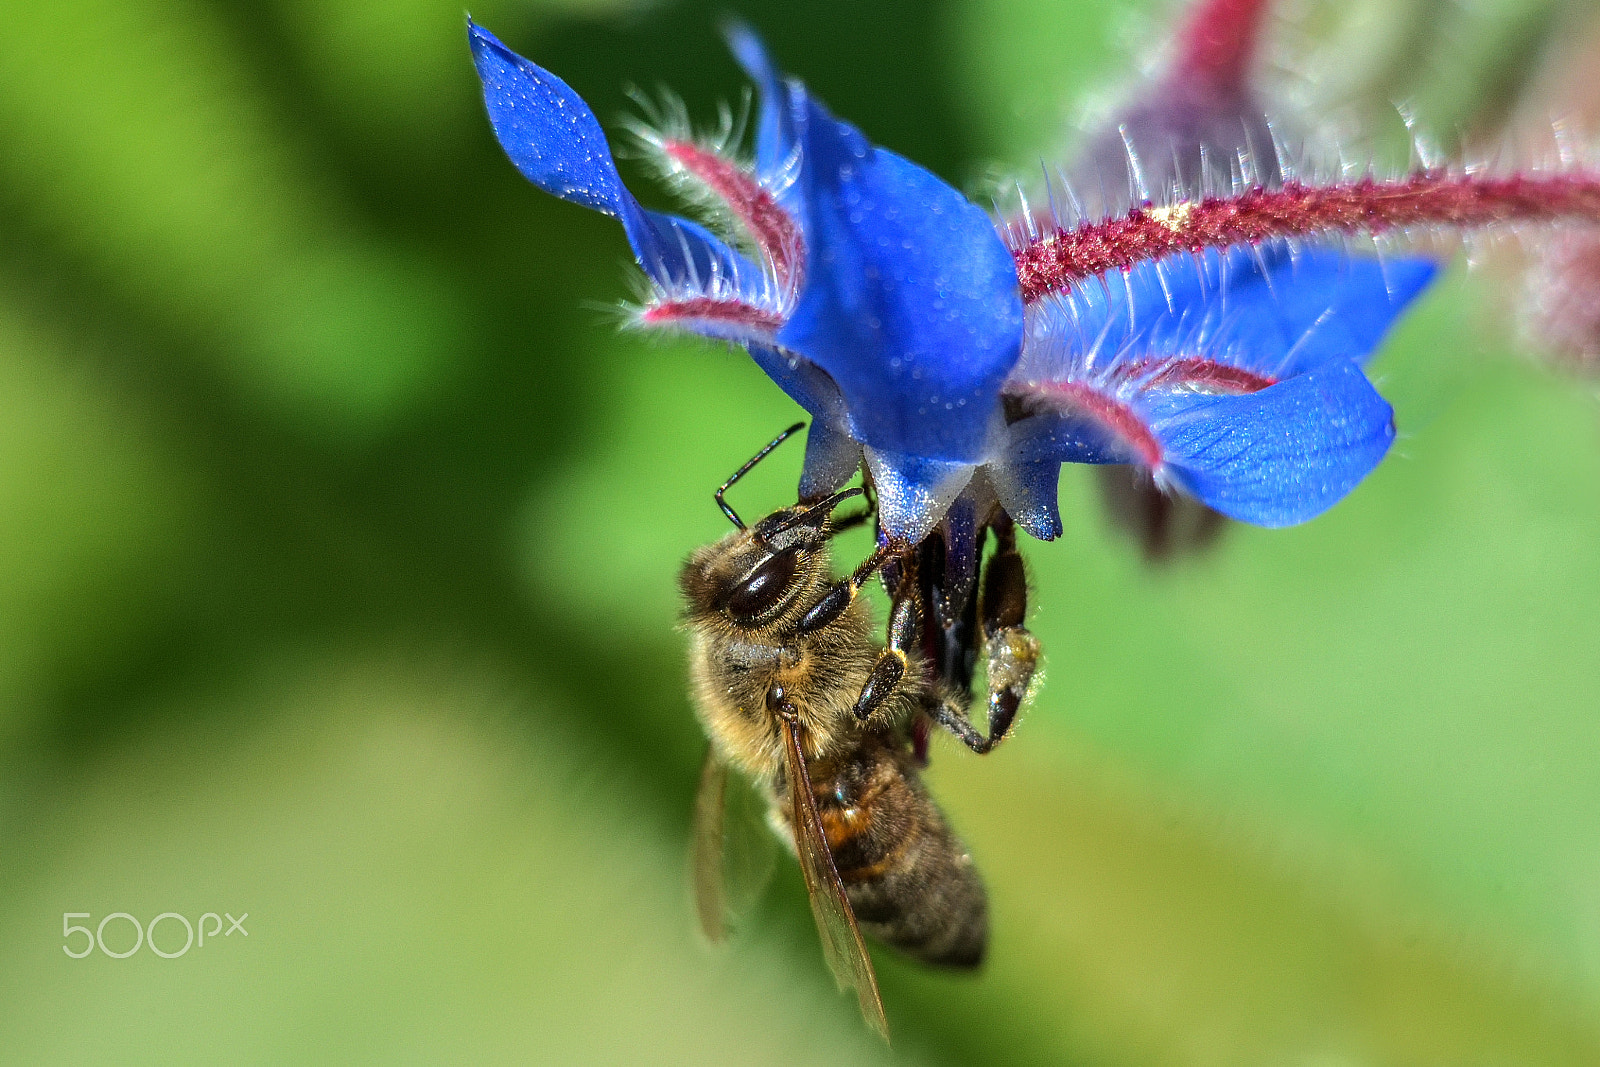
<point>768,224</point>
<point>1217,43</point>
<point>1432,198</point>
<point>736,314</point>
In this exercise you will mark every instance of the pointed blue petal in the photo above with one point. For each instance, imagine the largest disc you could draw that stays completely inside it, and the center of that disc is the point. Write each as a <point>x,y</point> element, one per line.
<point>914,492</point>
<point>832,459</point>
<point>1282,455</point>
<point>1027,477</point>
<point>781,102</point>
<point>555,141</point>
<point>546,128</point>
<point>910,301</point>
<point>1028,493</point>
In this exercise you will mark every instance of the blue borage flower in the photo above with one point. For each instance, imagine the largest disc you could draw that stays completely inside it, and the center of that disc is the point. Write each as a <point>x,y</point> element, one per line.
<point>888,306</point>
<point>1232,376</point>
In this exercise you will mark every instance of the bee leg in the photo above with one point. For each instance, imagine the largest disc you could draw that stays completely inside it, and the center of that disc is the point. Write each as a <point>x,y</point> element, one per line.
<point>841,523</point>
<point>950,711</point>
<point>950,606</point>
<point>1012,652</point>
<point>904,632</point>
<point>836,599</point>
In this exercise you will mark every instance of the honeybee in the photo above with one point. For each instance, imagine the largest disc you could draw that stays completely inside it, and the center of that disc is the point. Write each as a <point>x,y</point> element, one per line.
<point>796,695</point>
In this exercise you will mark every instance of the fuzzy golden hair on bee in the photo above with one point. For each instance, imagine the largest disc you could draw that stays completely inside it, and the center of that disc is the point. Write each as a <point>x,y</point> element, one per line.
<point>745,597</point>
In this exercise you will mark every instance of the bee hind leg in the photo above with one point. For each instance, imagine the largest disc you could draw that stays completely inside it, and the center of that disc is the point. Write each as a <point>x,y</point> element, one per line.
<point>1013,655</point>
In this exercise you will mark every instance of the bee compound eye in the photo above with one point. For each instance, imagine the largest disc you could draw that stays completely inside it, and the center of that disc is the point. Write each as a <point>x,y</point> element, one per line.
<point>763,588</point>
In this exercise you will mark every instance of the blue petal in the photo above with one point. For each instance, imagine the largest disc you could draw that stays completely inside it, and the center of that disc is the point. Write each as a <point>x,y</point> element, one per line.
<point>832,458</point>
<point>555,141</point>
<point>804,383</point>
<point>914,492</point>
<point>1026,479</point>
<point>910,301</point>
<point>1270,309</point>
<point>546,128</point>
<point>1282,455</point>
<point>782,103</point>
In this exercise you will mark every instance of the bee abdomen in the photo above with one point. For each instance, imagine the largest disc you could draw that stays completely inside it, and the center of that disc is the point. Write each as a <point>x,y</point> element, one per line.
<point>910,881</point>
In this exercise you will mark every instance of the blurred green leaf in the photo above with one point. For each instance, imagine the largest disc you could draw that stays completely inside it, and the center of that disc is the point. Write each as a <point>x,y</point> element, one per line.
<point>431,874</point>
<point>139,140</point>
<point>95,512</point>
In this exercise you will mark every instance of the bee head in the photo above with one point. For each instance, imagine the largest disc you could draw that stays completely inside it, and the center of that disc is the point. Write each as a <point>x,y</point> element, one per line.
<point>754,576</point>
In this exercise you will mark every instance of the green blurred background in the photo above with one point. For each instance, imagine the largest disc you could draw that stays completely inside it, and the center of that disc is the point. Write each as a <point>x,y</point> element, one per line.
<point>338,530</point>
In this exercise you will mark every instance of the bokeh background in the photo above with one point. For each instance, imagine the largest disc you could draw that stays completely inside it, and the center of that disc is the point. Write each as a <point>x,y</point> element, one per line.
<point>338,530</point>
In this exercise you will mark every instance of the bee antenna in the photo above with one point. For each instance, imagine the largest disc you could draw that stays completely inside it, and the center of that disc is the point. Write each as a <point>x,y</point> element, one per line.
<point>733,516</point>
<point>822,508</point>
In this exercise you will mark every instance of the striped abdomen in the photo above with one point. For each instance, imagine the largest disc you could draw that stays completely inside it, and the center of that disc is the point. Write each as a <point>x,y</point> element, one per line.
<point>910,881</point>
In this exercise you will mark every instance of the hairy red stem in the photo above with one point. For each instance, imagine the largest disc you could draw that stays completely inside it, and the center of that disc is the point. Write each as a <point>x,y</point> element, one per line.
<point>768,224</point>
<point>1062,260</point>
<point>710,310</point>
<point>1205,374</point>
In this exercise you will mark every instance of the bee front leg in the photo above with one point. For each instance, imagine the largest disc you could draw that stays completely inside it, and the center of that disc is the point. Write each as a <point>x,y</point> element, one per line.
<point>905,626</point>
<point>843,593</point>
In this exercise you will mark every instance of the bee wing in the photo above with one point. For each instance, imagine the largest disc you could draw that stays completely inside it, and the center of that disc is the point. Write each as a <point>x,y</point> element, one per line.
<point>836,922</point>
<point>733,849</point>
<point>709,899</point>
